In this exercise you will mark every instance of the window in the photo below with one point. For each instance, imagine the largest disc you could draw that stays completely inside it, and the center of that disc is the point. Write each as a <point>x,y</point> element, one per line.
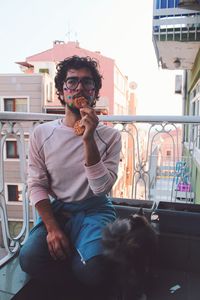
<point>50,92</point>
<point>193,108</point>
<point>166,4</point>
<point>44,70</point>
<point>168,153</point>
<point>195,111</point>
<point>47,92</point>
<point>14,192</point>
<point>15,104</point>
<point>11,149</point>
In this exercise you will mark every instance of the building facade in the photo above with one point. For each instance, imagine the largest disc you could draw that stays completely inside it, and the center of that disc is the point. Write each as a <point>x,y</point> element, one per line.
<point>176,37</point>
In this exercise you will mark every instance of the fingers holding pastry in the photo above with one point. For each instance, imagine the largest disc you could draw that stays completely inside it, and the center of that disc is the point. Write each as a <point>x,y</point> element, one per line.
<point>89,114</point>
<point>89,119</point>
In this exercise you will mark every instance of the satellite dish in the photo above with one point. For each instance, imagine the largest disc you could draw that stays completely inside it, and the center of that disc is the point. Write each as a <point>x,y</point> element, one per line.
<point>132,85</point>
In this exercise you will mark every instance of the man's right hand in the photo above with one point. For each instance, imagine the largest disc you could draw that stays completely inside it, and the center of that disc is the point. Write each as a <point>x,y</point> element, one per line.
<point>58,244</point>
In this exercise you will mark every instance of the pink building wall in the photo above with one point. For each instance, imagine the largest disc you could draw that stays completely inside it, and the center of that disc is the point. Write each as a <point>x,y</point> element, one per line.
<point>167,148</point>
<point>62,50</point>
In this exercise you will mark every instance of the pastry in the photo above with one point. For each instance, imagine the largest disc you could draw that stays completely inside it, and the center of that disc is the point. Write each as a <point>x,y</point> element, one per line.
<point>80,102</point>
<point>79,130</point>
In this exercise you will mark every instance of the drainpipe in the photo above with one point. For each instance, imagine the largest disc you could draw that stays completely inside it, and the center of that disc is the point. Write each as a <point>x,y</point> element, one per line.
<point>184,98</point>
<point>184,104</point>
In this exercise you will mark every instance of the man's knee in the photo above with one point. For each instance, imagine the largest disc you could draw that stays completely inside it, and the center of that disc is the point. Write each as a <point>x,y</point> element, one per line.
<point>33,253</point>
<point>25,260</point>
<point>94,273</point>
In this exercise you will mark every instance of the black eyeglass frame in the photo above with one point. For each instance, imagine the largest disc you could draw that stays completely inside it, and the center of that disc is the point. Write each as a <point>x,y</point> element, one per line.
<point>83,82</point>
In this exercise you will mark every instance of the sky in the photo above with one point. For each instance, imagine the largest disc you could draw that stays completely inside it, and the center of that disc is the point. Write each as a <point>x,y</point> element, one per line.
<point>121,30</point>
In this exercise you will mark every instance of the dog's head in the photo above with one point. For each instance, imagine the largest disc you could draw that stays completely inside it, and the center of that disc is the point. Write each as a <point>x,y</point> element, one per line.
<point>138,220</point>
<point>113,239</point>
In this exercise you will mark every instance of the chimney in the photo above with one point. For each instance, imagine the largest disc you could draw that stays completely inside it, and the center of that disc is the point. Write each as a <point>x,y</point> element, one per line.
<point>57,42</point>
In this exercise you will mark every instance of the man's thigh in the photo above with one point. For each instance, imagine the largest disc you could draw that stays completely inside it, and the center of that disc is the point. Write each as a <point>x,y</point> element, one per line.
<point>36,243</point>
<point>36,260</point>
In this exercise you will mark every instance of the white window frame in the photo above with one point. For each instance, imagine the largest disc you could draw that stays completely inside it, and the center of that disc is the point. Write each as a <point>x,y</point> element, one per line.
<point>197,96</point>
<point>6,193</point>
<point>26,140</point>
<point>2,107</point>
<point>195,101</point>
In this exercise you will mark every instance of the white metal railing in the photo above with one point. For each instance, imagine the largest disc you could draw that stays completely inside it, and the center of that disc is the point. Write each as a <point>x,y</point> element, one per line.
<point>158,153</point>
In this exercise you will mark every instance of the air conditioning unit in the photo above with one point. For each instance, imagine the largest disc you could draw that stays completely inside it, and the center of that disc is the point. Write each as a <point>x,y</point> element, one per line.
<point>178,84</point>
<point>190,4</point>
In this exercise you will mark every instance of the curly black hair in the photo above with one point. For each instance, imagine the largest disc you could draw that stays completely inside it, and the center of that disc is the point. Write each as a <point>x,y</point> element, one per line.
<point>77,62</point>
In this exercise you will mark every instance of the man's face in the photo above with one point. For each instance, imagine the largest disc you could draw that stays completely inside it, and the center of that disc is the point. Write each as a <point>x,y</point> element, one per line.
<point>78,83</point>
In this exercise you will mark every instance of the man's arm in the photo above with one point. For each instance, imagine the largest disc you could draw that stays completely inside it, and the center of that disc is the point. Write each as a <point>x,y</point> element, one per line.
<point>101,174</point>
<point>90,121</point>
<point>38,190</point>
<point>92,156</point>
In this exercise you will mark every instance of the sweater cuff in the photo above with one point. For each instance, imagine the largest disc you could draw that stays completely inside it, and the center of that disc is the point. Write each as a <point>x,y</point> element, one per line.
<point>38,196</point>
<point>96,171</point>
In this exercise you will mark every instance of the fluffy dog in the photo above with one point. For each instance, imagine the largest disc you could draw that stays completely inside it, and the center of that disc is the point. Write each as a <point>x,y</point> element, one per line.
<point>131,246</point>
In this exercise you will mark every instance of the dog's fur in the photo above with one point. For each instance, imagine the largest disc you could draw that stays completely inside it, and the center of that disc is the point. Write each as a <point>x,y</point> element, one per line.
<point>131,245</point>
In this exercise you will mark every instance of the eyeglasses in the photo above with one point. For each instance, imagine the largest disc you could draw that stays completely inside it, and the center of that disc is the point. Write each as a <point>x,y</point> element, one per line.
<point>73,82</point>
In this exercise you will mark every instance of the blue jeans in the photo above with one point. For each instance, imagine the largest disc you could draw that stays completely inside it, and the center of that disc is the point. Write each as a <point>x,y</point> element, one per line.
<point>84,228</point>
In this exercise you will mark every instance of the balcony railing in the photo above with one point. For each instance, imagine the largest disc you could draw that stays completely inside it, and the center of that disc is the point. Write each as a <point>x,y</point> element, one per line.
<point>159,160</point>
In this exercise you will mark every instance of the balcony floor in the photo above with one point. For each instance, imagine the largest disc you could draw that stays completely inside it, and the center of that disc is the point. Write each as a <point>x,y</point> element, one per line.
<point>177,276</point>
<point>168,284</point>
<point>12,279</point>
<point>176,285</point>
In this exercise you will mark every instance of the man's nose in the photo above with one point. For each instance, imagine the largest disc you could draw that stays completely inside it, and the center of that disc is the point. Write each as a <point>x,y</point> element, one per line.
<point>79,86</point>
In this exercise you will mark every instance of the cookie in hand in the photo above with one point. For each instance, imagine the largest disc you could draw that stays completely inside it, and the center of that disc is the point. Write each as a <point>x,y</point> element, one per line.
<point>80,102</point>
<point>78,128</point>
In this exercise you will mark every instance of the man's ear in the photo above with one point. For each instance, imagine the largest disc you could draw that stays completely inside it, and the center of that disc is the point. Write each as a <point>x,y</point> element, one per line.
<point>93,102</point>
<point>61,94</point>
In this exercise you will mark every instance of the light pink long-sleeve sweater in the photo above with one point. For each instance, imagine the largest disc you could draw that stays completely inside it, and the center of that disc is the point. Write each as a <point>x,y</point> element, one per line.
<point>57,167</point>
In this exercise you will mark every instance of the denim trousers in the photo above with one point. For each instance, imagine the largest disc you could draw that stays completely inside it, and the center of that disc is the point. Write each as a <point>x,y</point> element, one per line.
<point>36,260</point>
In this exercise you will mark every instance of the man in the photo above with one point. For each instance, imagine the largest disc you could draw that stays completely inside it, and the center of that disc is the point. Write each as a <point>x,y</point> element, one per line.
<point>77,172</point>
